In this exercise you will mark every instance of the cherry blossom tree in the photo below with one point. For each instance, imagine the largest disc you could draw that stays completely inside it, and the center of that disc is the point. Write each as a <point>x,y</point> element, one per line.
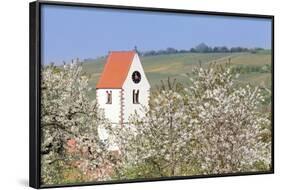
<point>156,145</point>
<point>69,125</point>
<point>214,126</point>
<point>230,133</point>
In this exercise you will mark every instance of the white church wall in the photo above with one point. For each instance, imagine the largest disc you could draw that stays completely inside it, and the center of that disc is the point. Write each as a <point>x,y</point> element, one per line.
<point>128,87</point>
<point>111,111</point>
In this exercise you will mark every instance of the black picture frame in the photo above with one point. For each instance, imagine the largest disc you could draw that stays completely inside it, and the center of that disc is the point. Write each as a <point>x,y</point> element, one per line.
<point>35,80</point>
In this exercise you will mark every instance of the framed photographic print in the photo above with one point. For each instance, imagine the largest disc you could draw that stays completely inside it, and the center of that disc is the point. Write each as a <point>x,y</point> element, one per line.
<point>130,94</point>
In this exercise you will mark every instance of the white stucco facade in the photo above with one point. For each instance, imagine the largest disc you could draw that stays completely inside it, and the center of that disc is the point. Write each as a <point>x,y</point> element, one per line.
<point>128,87</point>
<point>111,111</point>
<point>122,106</point>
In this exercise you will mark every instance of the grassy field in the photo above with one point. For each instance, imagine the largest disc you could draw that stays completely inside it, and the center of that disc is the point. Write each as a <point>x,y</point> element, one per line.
<point>179,66</point>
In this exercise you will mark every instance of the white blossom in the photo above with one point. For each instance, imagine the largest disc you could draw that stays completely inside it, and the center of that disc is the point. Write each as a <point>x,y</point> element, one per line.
<point>69,124</point>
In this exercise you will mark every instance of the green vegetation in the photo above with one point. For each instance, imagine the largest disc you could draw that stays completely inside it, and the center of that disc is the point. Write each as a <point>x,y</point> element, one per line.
<point>215,125</point>
<point>211,127</point>
<point>254,68</point>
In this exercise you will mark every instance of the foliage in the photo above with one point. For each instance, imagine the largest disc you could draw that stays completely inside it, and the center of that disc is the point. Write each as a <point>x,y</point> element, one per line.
<point>160,67</point>
<point>200,48</point>
<point>212,127</point>
<point>245,69</point>
<point>228,130</point>
<point>156,144</point>
<point>69,125</point>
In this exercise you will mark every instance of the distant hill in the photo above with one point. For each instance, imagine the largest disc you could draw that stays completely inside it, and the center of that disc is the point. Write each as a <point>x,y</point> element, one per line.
<point>160,67</point>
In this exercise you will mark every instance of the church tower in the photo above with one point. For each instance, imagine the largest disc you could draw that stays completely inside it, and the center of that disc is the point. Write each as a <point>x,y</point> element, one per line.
<point>123,88</point>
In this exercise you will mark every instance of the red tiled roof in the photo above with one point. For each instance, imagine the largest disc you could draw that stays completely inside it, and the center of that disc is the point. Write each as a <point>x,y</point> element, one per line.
<point>116,69</point>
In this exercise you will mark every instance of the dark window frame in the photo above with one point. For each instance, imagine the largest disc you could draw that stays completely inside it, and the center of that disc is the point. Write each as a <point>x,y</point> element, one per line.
<point>109,97</point>
<point>136,96</point>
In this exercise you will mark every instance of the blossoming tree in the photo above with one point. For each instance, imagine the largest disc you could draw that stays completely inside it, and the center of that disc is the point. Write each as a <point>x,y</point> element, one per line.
<point>230,134</point>
<point>214,126</point>
<point>69,125</point>
<point>158,144</point>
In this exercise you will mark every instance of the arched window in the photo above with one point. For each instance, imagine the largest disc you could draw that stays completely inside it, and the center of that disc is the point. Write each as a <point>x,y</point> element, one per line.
<point>109,97</point>
<point>135,96</point>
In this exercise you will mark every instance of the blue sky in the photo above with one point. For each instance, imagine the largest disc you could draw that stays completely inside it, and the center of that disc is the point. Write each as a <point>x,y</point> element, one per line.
<point>79,32</point>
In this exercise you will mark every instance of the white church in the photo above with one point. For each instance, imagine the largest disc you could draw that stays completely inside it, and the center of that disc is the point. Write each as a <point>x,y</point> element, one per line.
<point>123,88</point>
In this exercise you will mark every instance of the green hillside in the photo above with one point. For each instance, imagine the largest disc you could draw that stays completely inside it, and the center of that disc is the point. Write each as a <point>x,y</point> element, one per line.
<point>254,67</point>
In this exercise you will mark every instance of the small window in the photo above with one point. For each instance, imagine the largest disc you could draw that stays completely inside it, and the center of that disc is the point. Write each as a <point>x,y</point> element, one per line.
<point>109,97</point>
<point>135,96</point>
